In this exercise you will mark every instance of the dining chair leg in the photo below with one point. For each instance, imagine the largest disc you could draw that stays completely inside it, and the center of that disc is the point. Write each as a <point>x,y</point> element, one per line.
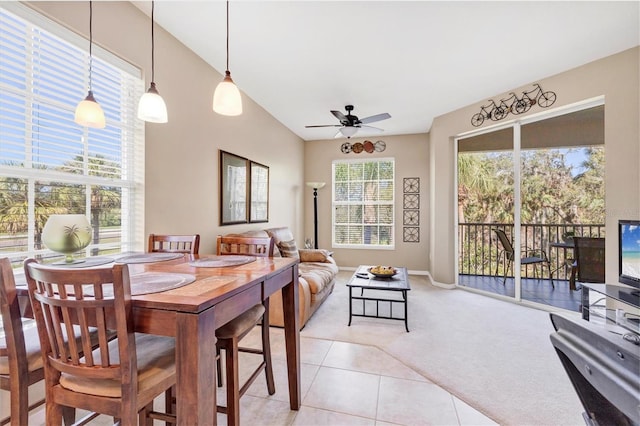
<point>53,414</point>
<point>218,367</point>
<point>266,349</point>
<point>19,396</point>
<point>169,402</point>
<point>68,415</point>
<point>233,382</point>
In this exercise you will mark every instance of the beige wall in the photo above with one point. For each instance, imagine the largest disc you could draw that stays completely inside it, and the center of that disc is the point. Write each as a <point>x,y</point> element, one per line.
<point>617,78</point>
<point>182,156</point>
<point>411,156</point>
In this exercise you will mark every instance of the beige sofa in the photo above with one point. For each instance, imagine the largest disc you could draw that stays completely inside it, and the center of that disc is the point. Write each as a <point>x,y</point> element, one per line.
<point>317,275</point>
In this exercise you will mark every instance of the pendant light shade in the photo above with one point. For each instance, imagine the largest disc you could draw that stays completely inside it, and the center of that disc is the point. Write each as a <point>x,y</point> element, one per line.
<point>151,106</point>
<point>88,112</point>
<point>227,99</point>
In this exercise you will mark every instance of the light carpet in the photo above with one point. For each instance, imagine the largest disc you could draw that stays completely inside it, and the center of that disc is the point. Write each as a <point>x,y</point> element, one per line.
<point>494,355</point>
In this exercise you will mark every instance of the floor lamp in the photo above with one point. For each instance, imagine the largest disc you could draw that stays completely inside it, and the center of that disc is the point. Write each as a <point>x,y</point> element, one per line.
<point>315,186</point>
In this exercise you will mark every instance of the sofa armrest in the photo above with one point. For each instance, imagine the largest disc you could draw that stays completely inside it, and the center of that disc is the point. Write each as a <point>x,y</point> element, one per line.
<point>275,305</point>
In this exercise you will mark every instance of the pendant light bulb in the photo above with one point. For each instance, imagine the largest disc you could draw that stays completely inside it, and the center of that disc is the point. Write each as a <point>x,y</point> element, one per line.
<point>226,98</point>
<point>151,106</point>
<point>88,112</point>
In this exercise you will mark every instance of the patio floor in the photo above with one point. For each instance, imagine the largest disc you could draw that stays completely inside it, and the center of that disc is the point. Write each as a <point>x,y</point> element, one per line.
<point>534,290</point>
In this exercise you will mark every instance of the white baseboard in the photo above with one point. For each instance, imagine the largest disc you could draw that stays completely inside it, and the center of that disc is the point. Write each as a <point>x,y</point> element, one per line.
<point>410,272</point>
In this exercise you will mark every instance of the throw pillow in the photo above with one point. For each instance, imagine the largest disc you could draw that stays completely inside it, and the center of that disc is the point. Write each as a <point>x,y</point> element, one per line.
<point>288,248</point>
<point>313,255</point>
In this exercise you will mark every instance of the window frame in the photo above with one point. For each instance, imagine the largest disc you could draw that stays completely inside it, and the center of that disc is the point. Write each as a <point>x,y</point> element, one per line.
<point>127,130</point>
<point>335,204</point>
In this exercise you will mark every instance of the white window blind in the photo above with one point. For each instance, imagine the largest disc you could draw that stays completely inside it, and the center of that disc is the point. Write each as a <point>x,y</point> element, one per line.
<point>363,203</point>
<point>49,164</point>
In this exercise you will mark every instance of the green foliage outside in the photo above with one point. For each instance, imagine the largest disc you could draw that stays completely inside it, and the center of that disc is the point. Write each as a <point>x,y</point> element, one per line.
<point>557,197</point>
<point>57,198</point>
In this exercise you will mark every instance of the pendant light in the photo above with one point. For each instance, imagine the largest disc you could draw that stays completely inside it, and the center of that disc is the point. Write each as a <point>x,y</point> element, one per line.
<point>151,106</point>
<point>226,99</point>
<point>88,112</point>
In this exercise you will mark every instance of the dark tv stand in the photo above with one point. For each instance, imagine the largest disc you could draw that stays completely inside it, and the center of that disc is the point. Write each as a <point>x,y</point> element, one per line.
<point>626,295</point>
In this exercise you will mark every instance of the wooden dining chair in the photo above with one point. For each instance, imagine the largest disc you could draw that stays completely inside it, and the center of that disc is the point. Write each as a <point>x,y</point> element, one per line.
<point>122,376</point>
<point>230,334</point>
<point>174,243</point>
<point>20,359</point>
<point>252,246</point>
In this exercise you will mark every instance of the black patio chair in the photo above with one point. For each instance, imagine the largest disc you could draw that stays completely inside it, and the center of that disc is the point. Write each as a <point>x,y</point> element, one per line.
<point>528,258</point>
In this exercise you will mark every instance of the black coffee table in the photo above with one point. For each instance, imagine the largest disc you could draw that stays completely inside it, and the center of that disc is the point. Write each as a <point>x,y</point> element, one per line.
<point>366,281</point>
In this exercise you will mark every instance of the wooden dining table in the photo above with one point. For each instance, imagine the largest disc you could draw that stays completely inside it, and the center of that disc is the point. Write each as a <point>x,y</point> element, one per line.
<point>191,313</point>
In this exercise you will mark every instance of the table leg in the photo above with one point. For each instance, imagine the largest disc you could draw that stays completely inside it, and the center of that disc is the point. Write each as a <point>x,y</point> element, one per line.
<point>291,312</point>
<point>350,305</point>
<point>406,310</point>
<point>196,368</point>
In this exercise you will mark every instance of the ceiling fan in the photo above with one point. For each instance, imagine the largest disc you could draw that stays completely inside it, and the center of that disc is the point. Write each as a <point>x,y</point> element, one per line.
<point>349,124</point>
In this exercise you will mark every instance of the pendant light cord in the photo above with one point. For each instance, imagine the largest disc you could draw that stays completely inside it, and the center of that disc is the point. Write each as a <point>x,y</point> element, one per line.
<point>153,5</point>
<point>227,36</point>
<point>90,41</point>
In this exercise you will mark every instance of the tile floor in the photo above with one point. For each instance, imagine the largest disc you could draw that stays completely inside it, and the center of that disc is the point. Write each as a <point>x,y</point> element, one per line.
<point>342,384</point>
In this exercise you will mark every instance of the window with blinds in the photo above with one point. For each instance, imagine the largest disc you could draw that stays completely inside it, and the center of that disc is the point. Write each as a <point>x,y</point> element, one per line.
<point>363,201</point>
<point>49,164</point>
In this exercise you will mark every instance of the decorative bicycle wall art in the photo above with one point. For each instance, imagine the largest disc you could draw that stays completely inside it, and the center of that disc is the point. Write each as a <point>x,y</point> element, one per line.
<point>514,105</point>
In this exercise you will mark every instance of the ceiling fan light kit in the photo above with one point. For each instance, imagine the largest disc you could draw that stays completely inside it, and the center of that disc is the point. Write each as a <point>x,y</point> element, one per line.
<point>350,124</point>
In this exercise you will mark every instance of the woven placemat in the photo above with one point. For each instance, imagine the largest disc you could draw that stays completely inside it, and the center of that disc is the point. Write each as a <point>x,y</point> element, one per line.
<point>222,261</point>
<point>150,282</point>
<point>156,282</point>
<point>148,257</point>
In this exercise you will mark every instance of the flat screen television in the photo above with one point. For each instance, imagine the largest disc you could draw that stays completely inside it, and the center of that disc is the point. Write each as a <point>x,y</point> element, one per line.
<point>629,252</point>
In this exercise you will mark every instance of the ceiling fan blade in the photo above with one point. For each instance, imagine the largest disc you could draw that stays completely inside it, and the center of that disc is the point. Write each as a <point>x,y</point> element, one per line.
<point>372,129</point>
<point>325,125</point>
<point>377,117</point>
<point>340,116</point>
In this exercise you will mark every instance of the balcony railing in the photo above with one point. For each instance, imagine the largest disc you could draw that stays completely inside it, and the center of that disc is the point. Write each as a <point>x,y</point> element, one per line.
<point>480,251</point>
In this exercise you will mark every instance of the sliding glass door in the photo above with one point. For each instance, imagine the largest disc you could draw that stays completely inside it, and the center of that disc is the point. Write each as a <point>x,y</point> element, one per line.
<point>523,192</point>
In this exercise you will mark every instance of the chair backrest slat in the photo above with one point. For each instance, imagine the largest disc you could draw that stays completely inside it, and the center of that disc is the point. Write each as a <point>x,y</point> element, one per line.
<point>88,304</point>
<point>174,243</point>
<point>253,246</point>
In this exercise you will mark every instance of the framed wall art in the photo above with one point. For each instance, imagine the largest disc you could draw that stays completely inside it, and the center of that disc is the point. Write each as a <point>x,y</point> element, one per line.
<point>233,188</point>
<point>259,193</point>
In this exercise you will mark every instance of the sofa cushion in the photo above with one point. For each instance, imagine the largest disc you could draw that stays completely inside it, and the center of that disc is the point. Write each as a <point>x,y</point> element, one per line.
<point>279,234</point>
<point>317,274</point>
<point>313,255</point>
<point>288,248</point>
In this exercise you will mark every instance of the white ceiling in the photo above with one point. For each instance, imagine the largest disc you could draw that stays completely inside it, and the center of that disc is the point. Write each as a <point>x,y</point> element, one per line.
<point>415,60</point>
